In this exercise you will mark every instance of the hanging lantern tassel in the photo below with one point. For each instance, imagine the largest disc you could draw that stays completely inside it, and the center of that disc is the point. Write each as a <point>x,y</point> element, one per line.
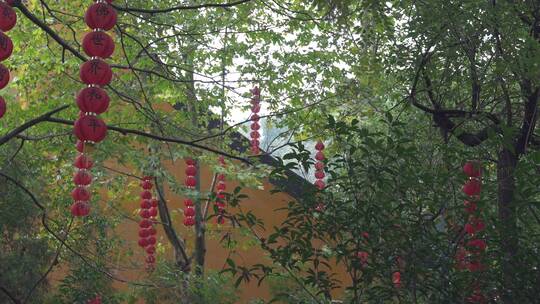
<point>190,182</point>
<point>220,193</point>
<point>255,127</point>
<point>148,212</point>
<point>8,19</point>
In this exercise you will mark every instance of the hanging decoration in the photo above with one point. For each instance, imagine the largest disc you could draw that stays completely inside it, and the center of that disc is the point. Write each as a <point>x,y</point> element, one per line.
<point>147,231</point>
<point>96,300</point>
<point>190,182</point>
<point>220,193</point>
<point>319,172</point>
<point>469,252</point>
<point>92,100</point>
<point>255,109</point>
<point>8,19</point>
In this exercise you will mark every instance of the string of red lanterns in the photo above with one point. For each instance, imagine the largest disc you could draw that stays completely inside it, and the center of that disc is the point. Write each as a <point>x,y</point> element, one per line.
<point>190,182</point>
<point>8,19</point>
<point>469,253</point>
<point>255,126</point>
<point>319,172</point>
<point>220,193</point>
<point>148,213</point>
<point>92,100</point>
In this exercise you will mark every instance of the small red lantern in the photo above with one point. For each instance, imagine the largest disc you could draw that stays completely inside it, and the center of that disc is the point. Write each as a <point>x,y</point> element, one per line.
<point>96,71</point>
<point>80,194</point>
<point>82,178</point>
<point>472,169</point>
<point>80,209</point>
<point>4,76</point>
<point>90,128</point>
<point>144,213</point>
<point>150,249</point>
<point>154,203</point>
<point>3,107</point>
<point>8,17</point>
<point>146,195</point>
<point>146,184</point>
<point>151,240</point>
<point>143,242</point>
<point>93,100</point>
<point>319,174</point>
<point>83,162</point>
<point>320,184</point>
<point>6,46</point>
<point>472,187</point>
<point>100,16</point>
<point>363,257</point>
<point>145,204</point>
<point>191,170</point>
<point>188,202</point>
<point>98,44</point>
<point>153,212</point>
<point>143,233</point>
<point>191,182</point>
<point>189,221</point>
<point>319,165</point>
<point>319,156</point>
<point>145,223</point>
<point>396,279</point>
<point>189,211</point>
<point>152,231</point>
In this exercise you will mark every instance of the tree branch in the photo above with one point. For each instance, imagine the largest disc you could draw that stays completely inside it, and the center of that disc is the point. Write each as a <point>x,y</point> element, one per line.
<point>178,8</point>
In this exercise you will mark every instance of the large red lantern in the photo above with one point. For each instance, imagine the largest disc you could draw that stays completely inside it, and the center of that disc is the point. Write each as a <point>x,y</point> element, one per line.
<point>6,46</point>
<point>8,17</point>
<point>4,76</point>
<point>3,107</point>
<point>472,187</point>
<point>93,100</point>
<point>472,169</point>
<point>90,128</point>
<point>96,71</point>
<point>98,44</point>
<point>100,16</point>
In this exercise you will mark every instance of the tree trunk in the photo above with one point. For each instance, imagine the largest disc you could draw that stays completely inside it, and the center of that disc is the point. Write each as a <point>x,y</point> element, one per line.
<point>506,166</point>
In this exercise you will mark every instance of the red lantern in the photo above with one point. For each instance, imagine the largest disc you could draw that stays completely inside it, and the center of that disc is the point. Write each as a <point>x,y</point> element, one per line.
<point>319,174</point>
<point>8,17</point>
<point>4,76</point>
<point>190,162</point>
<point>82,178</point>
<point>255,142</point>
<point>93,100</point>
<point>90,128</point>
<point>396,279</point>
<point>146,184</point>
<point>145,204</point>
<point>3,107</point>
<point>143,242</point>
<point>96,300</point>
<point>472,169</point>
<point>255,117</point>
<point>143,233</point>
<point>98,44</point>
<point>152,231</point>
<point>83,162</point>
<point>189,211</point>
<point>146,195</point>
<point>144,213</point>
<point>319,165</point>
<point>151,240</point>
<point>145,223</point>
<point>150,249</point>
<point>319,146</point>
<point>189,221</point>
<point>188,202</point>
<point>472,187</point>
<point>470,207</point>
<point>256,108</point>
<point>320,184</point>
<point>319,156</point>
<point>363,257</point>
<point>153,212</point>
<point>100,16</point>
<point>96,71</point>
<point>154,202</point>
<point>255,134</point>
<point>80,194</point>
<point>6,46</point>
<point>191,182</point>
<point>255,126</point>
<point>191,170</point>
<point>221,186</point>
<point>80,209</point>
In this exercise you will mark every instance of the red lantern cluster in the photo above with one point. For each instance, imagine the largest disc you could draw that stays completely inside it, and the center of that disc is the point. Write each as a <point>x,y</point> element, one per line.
<point>319,166</point>
<point>255,126</point>
<point>469,252</point>
<point>92,100</point>
<point>220,193</point>
<point>190,182</point>
<point>8,19</point>
<point>148,213</point>
<point>95,73</point>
